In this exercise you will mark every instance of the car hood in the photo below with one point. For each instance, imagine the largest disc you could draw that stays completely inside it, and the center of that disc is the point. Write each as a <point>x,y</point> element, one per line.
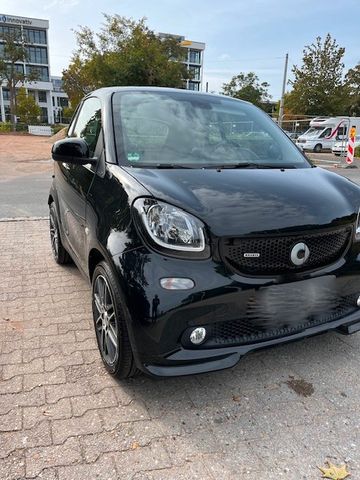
<point>239,202</point>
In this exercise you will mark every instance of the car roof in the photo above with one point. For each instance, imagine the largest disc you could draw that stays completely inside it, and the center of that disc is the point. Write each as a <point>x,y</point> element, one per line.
<point>108,91</point>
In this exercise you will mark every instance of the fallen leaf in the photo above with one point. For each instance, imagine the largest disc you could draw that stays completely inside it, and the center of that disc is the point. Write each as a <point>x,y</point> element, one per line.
<point>333,472</point>
<point>236,398</point>
<point>136,445</point>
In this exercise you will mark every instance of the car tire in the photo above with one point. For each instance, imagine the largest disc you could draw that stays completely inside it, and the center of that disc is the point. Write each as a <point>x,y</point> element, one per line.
<point>109,314</point>
<point>60,255</point>
<point>317,148</point>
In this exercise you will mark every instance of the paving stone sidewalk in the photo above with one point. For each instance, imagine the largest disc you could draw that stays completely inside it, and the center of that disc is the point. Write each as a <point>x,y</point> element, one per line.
<point>279,414</point>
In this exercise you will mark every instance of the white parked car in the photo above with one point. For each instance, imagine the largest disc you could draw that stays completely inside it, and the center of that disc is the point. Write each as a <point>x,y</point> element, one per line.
<point>340,146</point>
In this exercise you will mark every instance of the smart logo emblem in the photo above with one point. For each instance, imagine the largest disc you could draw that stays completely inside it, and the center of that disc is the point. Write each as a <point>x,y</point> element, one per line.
<point>299,254</point>
<point>3,18</point>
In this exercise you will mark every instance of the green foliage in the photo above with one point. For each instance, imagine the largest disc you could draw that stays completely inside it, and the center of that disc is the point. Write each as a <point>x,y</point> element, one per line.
<point>26,108</point>
<point>56,128</point>
<point>247,87</point>
<point>14,51</point>
<point>124,52</point>
<point>318,85</point>
<point>352,85</point>
<point>5,127</point>
<point>357,152</point>
<point>68,112</point>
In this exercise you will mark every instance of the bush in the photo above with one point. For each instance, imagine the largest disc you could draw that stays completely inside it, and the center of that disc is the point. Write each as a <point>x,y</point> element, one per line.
<point>5,127</point>
<point>56,128</point>
<point>357,152</point>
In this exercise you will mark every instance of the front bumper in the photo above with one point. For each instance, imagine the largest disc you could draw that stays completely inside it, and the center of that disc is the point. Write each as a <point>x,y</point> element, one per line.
<point>241,314</point>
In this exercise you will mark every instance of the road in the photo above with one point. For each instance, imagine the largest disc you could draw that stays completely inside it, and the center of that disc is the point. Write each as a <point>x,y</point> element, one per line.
<point>25,196</point>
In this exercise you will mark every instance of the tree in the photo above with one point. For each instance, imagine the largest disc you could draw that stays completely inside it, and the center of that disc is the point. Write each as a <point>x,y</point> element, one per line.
<point>247,87</point>
<point>124,52</point>
<point>27,109</point>
<point>11,71</point>
<point>352,85</point>
<point>318,83</point>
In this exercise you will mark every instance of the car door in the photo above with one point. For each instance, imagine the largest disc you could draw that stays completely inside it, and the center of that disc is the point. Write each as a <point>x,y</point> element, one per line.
<point>73,181</point>
<point>326,139</point>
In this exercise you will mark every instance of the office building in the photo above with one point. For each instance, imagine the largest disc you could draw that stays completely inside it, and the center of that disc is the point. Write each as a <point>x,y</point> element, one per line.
<point>34,34</point>
<point>194,60</point>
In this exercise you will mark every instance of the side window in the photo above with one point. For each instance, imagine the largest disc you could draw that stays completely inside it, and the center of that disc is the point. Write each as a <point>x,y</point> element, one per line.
<point>88,123</point>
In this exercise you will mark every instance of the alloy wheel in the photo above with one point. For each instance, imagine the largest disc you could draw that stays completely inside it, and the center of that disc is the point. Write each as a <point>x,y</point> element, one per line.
<point>105,320</point>
<point>54,235</point>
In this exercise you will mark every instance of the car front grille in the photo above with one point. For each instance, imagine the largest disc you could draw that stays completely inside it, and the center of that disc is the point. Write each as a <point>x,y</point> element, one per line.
<point>257,326</point>
<point>271,255</point>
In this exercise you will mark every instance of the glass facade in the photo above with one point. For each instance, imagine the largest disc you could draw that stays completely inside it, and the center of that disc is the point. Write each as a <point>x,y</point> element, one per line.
<point>37,55</point>
<point>10,30</point>
<point>194,56</point>
<point>194,85</point>
<point>195,72</point>
<point>41,72</point>
<point>33,35</point>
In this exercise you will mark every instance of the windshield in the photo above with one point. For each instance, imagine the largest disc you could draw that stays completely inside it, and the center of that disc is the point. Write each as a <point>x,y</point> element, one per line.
<point>179,129</point>
<point>314,131</point>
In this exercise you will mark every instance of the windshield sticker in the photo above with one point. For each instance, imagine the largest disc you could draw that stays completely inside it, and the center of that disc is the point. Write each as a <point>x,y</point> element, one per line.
<point>133,156</point>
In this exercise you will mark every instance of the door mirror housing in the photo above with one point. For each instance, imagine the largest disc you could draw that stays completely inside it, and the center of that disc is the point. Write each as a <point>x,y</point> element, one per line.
<point>72,150</point>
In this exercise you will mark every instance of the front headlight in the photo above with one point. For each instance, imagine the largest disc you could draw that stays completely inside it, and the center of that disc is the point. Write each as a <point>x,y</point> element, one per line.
<point>170,227</point>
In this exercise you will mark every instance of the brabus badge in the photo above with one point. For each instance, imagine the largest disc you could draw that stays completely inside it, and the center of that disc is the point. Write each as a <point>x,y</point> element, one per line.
<point>252,255</point>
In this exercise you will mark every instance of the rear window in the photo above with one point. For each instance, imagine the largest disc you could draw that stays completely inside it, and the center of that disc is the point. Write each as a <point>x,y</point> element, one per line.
<point>181,128</point>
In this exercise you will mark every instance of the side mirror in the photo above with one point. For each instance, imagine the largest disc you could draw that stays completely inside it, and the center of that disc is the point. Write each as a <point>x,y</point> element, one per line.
<point>72,150</point>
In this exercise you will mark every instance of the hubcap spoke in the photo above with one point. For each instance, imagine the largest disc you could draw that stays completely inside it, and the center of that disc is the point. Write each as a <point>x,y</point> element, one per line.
<point>54,235</point>
<point>110,346</point>
<point>112,335</point>
<point>98,303</point>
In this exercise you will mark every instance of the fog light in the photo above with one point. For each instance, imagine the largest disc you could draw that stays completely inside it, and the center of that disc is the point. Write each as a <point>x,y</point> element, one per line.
<point>173,283</point>
<point>198,335</point>
<point>358,301</point>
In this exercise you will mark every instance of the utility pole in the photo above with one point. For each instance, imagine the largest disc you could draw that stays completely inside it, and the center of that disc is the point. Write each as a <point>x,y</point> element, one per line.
<point>281,111</point>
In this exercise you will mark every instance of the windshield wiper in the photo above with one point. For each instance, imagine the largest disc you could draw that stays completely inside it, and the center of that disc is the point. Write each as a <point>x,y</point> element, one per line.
<point>255,165</point>
<point>169,165</point>
<point>157,165</point>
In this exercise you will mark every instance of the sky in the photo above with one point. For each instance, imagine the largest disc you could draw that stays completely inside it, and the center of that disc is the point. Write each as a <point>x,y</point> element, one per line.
<point>240,36</point>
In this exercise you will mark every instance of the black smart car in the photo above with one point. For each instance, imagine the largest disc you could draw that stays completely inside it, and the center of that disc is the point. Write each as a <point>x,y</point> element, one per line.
<point>205,232</point>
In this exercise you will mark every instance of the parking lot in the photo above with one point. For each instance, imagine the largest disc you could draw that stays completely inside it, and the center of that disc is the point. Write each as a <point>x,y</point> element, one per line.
<point>281,413</point>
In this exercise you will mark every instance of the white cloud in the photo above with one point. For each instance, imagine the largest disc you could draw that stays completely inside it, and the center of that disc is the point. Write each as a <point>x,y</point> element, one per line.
<point>62,4</point>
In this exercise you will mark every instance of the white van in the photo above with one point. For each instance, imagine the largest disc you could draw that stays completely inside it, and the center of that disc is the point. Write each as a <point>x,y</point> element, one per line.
<point>323,132</point>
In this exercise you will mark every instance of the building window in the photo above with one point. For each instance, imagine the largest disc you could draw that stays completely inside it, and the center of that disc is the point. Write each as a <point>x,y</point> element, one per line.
<point>18,67</point>
<point>63,102</point>
<point>195,56</point>
<point>194,72</point>
<point>7,113</point>
<point>57,84</point>
<point>37,55</point>
<point>6,94</point>
<point>31,93</point>
<point>44,115</point>
<point>35,36</point>
<point>42,72</point>
<point>53,101</point>
<point>194,86</point>
<point>7,30</point>
<point>42,96</point>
